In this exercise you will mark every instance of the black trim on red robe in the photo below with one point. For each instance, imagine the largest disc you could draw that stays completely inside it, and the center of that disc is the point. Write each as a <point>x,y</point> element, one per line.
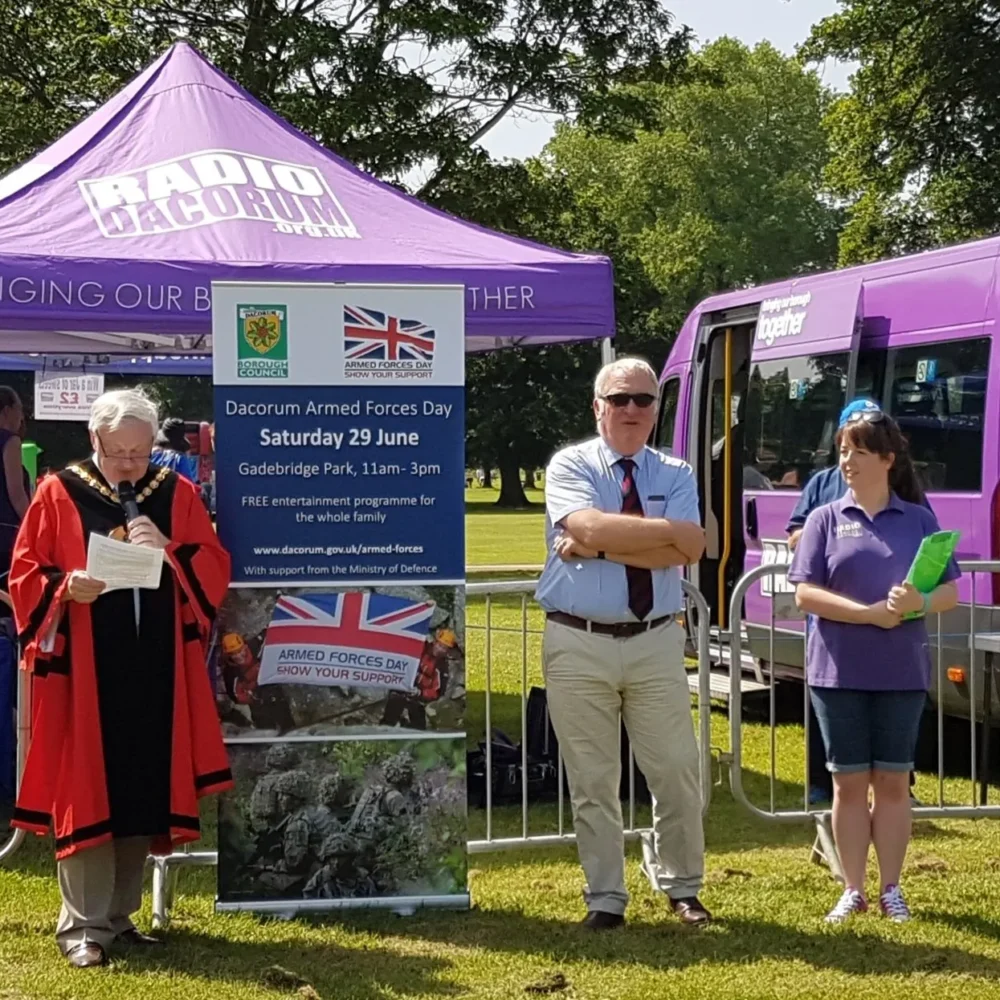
<point>53,579</point>
<point>135,669</point>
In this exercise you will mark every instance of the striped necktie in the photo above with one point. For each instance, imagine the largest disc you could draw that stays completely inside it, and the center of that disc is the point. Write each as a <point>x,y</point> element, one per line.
<point>640,581</point>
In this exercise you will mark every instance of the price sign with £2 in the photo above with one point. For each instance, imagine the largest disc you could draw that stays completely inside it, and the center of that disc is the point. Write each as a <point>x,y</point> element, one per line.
<point>65,397</point>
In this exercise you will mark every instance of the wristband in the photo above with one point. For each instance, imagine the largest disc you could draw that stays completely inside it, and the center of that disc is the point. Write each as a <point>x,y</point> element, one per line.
<point>927,605</point>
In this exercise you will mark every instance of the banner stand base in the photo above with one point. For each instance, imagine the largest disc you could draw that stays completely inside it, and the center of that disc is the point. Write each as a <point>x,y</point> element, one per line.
<point>402,905</point>
<point>166,870</point>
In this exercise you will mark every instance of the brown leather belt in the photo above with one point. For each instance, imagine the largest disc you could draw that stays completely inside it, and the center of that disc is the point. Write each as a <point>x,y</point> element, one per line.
<point>619,630</point>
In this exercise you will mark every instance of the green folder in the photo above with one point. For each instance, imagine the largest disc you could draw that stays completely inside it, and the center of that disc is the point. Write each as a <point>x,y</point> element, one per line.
<point>930,563</point>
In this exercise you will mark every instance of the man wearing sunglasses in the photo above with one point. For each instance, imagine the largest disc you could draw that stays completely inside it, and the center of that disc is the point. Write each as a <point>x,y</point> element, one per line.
<point>621,519</point>
<point>826,487</point>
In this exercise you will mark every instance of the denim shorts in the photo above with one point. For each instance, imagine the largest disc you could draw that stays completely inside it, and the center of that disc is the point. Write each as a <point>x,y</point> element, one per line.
<point>868,730</point>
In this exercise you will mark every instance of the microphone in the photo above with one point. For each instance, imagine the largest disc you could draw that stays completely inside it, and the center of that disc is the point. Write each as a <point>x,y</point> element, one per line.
<point>126,497</point>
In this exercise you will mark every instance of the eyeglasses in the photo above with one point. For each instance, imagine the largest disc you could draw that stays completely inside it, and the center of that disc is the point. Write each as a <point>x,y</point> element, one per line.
<point>619,400</point>
<point>865,416</point>
<point>119,457</point>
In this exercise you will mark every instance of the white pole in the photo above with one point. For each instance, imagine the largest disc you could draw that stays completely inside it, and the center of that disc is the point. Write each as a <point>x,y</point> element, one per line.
<point>607,351</point>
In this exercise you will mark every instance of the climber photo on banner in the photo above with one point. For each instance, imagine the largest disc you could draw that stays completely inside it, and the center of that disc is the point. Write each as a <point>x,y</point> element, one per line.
<point>340,661</point>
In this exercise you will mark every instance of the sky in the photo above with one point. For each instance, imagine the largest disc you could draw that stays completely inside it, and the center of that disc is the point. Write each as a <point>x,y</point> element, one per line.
<point>784,23</point>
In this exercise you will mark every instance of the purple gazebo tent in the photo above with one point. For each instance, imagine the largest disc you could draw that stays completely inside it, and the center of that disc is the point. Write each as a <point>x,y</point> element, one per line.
<point>111,237</point>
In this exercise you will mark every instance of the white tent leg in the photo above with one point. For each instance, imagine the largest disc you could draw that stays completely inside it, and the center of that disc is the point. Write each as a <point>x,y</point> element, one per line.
<point>607,351</point>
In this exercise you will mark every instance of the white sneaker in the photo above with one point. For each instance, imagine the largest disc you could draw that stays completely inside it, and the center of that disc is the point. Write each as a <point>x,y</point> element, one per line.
<point>850,902</point>
<point>893,906</point>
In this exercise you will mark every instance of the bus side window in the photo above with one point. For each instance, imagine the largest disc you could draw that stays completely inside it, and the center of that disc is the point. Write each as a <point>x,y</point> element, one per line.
<point>669,396</point>
<point>870,379</point>
<point>937,395</point>
<point>791,417</point>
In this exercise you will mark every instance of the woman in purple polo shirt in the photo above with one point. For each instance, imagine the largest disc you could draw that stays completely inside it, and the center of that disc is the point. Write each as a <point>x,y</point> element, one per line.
<point>868,670</point>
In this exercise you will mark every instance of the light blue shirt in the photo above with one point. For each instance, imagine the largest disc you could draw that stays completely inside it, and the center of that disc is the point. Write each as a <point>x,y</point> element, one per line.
<point>585,476</point>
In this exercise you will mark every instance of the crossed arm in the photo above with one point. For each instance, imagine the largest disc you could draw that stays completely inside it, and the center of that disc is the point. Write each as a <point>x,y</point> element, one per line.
<point>646,543</point>
<point>642,542</point>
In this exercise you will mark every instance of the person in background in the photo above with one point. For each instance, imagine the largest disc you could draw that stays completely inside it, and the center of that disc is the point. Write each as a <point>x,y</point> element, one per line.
<point>208,485</point>
<point>14,480</point>
<point>215,465</point>
<point>825,487</point>
<point>15,488</point>
<point>621,519</point>
<point>868,669</point>
<point>753,478</point>
<point>171,450</point>
<point>125,738</point>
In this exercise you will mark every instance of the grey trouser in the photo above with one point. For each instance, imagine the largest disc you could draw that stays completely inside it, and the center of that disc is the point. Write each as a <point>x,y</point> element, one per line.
<point>592,682</point>
<point>101,888</point>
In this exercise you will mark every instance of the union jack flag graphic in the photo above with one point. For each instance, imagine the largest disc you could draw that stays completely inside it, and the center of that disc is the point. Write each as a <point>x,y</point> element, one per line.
<point>370,335</point>
<point>352,639</point>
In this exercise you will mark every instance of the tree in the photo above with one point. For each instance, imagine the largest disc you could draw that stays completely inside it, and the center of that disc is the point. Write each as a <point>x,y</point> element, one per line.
<point>713,183</point>
<point>521,405</point>
<point>390,84</point>
<point>917,138</point>
<point>705,182</point>
<point>59,60</point>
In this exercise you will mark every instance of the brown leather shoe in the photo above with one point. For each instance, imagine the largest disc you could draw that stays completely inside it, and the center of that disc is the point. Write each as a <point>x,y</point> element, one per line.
<point>691,911</point>
<point>133,936</point>
<point>88,955</point>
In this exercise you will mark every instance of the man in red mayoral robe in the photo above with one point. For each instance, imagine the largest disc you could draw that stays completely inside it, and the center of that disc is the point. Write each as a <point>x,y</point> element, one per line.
<point>125,738</point>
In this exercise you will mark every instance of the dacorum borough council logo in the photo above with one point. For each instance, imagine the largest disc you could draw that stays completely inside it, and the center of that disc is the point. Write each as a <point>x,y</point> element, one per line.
<point>262,341</point>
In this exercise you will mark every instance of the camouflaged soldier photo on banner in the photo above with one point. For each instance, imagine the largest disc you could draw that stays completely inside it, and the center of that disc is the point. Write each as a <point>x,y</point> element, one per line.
<point>343,819</point>
<point>324,662</point>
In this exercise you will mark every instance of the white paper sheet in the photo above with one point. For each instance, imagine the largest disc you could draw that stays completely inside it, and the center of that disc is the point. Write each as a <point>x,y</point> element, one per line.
<point>121,565</point>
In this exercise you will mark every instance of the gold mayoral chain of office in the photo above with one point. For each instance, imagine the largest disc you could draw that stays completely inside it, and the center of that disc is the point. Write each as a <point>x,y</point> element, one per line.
<point>106,491</point>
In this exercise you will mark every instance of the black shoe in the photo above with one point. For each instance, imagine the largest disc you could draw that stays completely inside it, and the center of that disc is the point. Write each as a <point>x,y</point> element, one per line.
<point>691,911</point>
<point>133,936</point>
<point>88,955</point>
<point>601,920</point>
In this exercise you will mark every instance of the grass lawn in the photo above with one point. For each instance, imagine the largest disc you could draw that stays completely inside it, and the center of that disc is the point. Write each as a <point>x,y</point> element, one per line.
<point>520,940</point>
<point>497,537</point>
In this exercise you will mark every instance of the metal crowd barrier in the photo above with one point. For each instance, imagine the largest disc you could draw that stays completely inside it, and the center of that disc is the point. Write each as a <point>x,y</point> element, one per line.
<point>696,608</point>
<point>987,643</point>
<point>166,869</point>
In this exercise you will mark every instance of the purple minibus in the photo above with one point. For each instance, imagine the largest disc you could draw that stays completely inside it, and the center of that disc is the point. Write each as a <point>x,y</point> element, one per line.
<point>751,395</point>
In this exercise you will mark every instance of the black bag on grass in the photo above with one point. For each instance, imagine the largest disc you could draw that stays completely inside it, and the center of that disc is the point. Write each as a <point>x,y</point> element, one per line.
<point>506,774</point>
<point>543,745</point>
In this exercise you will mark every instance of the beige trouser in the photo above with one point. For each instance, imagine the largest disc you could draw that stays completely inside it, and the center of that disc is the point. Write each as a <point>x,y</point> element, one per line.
<point>101,888</point>
<point>592,682</point>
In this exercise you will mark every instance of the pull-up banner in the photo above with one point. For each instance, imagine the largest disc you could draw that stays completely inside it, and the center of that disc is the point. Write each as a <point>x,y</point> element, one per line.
<point>339,658</point>
<point>340,422</point>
